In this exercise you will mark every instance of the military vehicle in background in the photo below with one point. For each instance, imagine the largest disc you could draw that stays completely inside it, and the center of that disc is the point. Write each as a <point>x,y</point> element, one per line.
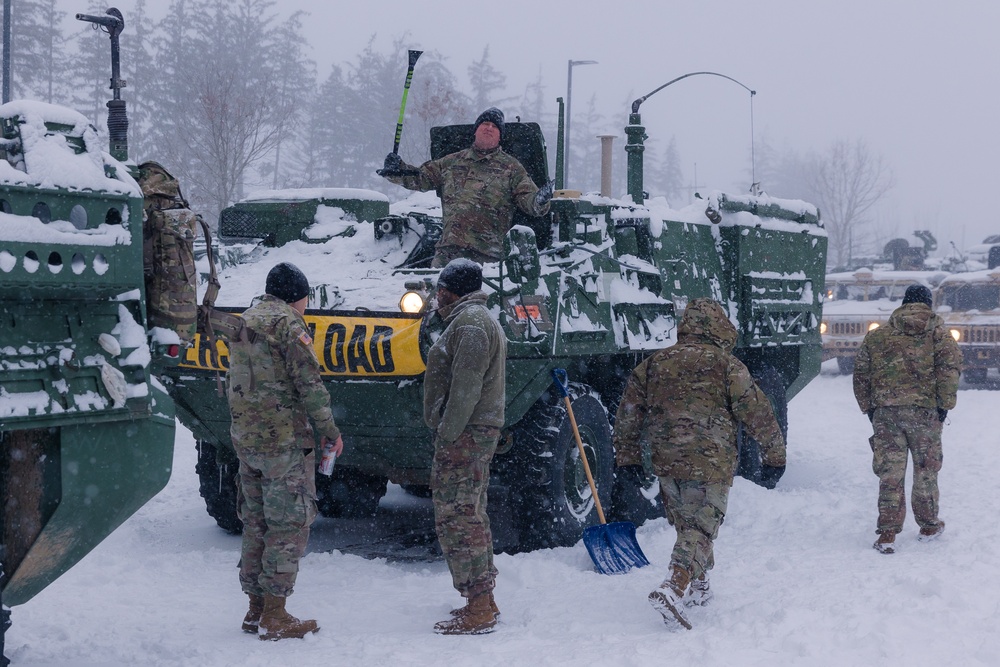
<point>861,300</point>
<point>86,434</point>
<point>970,305</point>
<point>593,287</point>
<point>987,252</point>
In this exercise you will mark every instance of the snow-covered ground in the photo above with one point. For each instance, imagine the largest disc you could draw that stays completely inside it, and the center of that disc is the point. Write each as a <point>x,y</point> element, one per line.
<point>796,580</point>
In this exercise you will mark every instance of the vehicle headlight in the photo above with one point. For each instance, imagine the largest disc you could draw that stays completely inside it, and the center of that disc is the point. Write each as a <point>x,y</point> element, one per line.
<point>412,302</point>
<point>956,334</point>
<point>822,327</point>
<point>873,326</point>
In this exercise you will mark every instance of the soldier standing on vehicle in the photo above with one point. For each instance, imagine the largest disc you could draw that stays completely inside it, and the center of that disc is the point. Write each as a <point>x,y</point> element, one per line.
<point>274,389</point>
<point>687,402</point>
<point>906,381</point>
<point>464,407</point>
<point>479,188</point>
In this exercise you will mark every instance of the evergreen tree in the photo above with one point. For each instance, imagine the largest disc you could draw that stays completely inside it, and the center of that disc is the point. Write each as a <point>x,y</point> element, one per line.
<point>486,82</point>
<point>586,149</point>
<point>91,70</point>
<point>224,111</point>
<point>139,69</point>
<point>38,59</point>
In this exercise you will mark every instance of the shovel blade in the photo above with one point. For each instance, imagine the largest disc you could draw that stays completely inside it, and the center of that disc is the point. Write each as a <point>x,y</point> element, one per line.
<point>613,547</point>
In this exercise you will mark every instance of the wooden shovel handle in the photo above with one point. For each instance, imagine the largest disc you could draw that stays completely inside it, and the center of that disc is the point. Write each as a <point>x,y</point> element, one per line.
<point>583,457</point>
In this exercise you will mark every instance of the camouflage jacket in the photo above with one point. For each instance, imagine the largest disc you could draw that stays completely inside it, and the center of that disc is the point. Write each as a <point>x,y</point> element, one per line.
<point>464,382</point>
<point>478,190</point>
<point>685,402</point>
<point>274,382</point>
<point>911,361</point>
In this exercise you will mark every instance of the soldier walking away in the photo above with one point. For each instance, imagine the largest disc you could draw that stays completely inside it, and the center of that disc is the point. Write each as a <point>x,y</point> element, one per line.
<point>906,381</point>
<point>687,401</point>
<point>479,188</point>
<point>464,407</point>
<point>274,390</point>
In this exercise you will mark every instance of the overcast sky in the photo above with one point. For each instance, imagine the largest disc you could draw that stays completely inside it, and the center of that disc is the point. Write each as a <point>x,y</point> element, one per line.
<point>917,80</point>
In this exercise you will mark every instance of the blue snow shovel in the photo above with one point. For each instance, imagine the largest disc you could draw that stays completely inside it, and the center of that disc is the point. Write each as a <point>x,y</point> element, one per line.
<point>612,546</point>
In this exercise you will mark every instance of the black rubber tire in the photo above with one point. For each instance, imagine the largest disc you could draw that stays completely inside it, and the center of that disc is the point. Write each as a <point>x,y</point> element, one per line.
<point>551,500</point>
<point>417,490</point>
<point>772,384</point>
<point>217,480</point>
<point>349,493</point>
<point>845,365</point>
<point>635,504</point>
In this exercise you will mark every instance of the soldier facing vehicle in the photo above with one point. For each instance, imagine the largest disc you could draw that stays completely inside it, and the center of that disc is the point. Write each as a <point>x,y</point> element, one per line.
<point>687,401</point>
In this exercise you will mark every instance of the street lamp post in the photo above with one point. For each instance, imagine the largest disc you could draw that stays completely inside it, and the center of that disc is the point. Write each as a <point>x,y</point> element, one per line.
<point>569,103</point>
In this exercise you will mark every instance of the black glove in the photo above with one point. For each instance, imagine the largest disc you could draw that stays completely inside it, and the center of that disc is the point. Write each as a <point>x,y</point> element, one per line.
<point>942,414</point>
<point>393,163</point>
<point>634,475</point>
<point>871,415</point>
<point>544,194</point>
<point>769,475</point>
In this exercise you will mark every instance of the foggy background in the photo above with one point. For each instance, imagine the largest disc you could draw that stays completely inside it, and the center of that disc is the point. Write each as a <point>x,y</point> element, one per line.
<point>881,113</point>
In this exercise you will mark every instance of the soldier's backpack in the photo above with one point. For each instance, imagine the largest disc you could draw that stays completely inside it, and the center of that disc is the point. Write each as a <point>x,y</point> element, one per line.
<point>168,230</point>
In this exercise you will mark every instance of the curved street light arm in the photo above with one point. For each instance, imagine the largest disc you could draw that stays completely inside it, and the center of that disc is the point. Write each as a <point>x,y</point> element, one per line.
<point>638,102</point>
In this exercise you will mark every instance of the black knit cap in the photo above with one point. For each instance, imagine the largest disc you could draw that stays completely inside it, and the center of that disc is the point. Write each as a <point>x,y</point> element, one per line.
<point>287,282</point>
<point>917,294</point>
<point>493,115</point>
<point>461,276</point>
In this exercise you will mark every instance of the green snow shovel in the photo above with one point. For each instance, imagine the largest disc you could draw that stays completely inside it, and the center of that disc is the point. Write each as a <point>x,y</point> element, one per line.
<point>612,546</point>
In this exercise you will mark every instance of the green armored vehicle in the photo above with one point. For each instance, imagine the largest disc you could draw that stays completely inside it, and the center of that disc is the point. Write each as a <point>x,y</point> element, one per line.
<point>86,434</point>
<point>592,287</point>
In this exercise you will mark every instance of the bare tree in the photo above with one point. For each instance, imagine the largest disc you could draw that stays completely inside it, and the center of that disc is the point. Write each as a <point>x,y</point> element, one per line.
<point>846,182</point>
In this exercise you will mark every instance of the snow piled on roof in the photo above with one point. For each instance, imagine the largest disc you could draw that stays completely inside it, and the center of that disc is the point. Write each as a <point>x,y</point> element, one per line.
<point>303,194</point>
<point>50,161</point>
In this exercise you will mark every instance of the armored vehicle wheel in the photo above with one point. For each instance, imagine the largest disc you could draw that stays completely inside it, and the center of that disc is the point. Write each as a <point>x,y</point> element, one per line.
<point>417,490</point>
<point>974,375</point>
<point>349,493</point>
<point>552,502</point>
<point>637,504</point>
<point>845,365</point>
<point>771,383</point>
<point>217,474</point>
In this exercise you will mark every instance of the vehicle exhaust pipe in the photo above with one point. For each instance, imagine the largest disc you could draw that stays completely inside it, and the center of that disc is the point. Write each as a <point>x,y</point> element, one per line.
<point>606,140</point>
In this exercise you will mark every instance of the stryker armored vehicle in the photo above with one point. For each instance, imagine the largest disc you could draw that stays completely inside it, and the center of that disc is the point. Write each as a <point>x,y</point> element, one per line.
<point>970,305</point>
<point>86,434</point>
<point>593,287</point>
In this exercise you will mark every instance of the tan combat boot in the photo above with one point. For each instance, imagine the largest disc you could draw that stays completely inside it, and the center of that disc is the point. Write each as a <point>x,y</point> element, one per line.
<point>885,544</point>
<point>478,617</point>
<point>459,611</point>
<point>931,534</point>
<point>276,623</point>
<point>252,620</point>
<point>668,598</point>
<point>699,593</point>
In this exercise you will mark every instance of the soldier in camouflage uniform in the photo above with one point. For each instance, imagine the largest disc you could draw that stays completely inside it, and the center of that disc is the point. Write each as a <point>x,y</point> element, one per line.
<point>906,381</point>
<point>685,403</point>
<point>274,389</point>
<point>464,406</point>
<point>479,188</point>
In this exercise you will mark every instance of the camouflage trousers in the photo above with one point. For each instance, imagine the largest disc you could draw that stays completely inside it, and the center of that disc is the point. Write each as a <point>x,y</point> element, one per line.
<point>277,504</point>
<point>460,476</point>
<point>696,510</point>
<point>898,431</point>
<point>444,254</point>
